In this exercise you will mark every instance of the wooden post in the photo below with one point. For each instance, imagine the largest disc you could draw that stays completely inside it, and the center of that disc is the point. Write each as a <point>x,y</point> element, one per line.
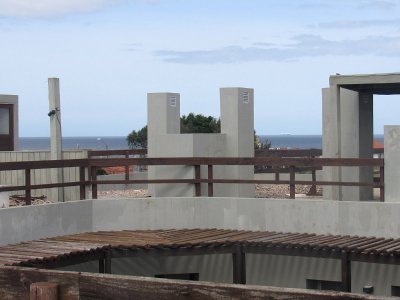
<point>210,184</point>
<point>346,272</point>
<point>292,185</point>
<point>94,185</point>
<point>197,177</point>
<point>382,182</point>
<point>82,187</point>
<point>101,265</point>
<point>107,264</point>
<point>276,173</point>
<point>313,189</point>
<point>43,291</point>
<point>126,167</point>
<point>239,265</point>
<point>28,195</point>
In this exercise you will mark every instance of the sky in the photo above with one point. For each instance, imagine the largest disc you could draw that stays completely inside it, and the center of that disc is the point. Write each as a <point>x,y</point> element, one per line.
<point>109,54</point>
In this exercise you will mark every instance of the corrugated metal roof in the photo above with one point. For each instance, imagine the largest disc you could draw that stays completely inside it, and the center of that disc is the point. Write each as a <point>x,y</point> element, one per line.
<point>47,250</point>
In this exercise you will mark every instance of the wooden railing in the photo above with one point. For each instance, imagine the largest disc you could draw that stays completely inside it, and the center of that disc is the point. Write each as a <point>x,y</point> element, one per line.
<point>92,164</point>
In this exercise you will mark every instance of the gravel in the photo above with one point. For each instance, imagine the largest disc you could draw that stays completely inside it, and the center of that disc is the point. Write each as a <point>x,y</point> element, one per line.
<point>261,191</point>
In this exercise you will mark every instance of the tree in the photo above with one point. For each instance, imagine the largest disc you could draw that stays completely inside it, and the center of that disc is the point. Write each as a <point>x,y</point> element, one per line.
<point>260,145</point>
<point>200,124</point>
<point>137,139</point>
<point>190,124</point>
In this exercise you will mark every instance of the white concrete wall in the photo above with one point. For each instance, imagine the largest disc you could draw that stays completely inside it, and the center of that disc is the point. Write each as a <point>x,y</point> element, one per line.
<point>235,140</point>
<point>18,224</point>
<point>285,215</point>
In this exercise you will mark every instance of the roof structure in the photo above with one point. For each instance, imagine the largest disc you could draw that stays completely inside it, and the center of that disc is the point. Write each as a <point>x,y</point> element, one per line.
<point>71,249</point>
<point>380,84</point>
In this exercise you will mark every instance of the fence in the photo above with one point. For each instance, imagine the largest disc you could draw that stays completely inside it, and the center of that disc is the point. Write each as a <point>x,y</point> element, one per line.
<point>92,164</point>
<point>40,176</point>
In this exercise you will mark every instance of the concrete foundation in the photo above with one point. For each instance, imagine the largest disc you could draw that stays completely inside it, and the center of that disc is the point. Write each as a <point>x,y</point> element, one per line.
<point>235,140</point>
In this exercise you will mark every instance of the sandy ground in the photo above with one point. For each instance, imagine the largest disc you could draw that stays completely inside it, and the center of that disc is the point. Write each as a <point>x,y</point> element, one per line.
<point>261,191</point>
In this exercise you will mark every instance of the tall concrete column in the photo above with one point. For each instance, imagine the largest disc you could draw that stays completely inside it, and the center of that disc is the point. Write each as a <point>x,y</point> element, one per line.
<point>163,118</point>
<point>347,133</point>
<point>330,140</point>
<point>237,122</point>
<point>366,141</point>
<point>392,163</point>
<point>55,136</point>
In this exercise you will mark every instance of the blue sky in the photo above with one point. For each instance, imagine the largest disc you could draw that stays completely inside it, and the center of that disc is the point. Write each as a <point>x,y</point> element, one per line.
<point>109,54</point>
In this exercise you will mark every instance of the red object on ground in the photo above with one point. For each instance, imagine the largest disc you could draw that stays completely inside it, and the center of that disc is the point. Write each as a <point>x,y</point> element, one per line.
<point>377,145</point>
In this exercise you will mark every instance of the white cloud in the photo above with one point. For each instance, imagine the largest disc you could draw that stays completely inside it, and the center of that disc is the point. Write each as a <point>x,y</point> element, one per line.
<point>347,24</point>
<point>303,46</point>
<point>40,8</point>
<point>377,4</point>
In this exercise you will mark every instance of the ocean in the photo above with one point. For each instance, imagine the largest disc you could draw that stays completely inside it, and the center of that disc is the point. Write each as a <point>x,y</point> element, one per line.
<point>119,142</point>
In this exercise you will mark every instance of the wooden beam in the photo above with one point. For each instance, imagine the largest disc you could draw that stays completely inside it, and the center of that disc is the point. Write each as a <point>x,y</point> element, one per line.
<point>82,186</point>
<point>107,262</point>
<point>210,184</point>
<point>346,272</point>
<point>292,178</point>
<point>197,177</point>
<point>239,265</point>
<point>28,196</point>
<point>93,177</point>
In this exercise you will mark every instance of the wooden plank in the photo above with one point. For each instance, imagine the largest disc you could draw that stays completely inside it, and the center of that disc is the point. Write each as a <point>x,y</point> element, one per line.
<point>382,182</point>
<point>197,177</point>
<point>15,282</point>
<point>292,184</point>
<point>346,272</point>
<point>210,178</point>
<point>44,291</point>
<point>104,286</point>
<point>239,265</point>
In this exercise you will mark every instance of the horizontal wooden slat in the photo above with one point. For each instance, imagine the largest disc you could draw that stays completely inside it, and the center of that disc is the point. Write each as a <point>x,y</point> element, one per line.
<point>15,282</point>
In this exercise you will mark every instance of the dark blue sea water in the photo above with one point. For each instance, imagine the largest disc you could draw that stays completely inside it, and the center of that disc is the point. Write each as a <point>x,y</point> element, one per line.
<point>119,142</point>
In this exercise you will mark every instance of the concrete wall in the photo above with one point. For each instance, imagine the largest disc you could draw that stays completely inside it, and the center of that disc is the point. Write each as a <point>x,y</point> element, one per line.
<point>235,140</point>
<point>18,224</point>
<point>306,216</point>
<point>347,133</point>
<point>285,215</point>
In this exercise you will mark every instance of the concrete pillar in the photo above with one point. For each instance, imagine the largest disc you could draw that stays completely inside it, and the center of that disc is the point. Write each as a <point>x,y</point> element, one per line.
<point>55,136</point>
<point>392,162</point>
<point>366,141</point>
<point>163,118</point>
<point>330,141</point>
<point>347,133</point>
<point>237,122</point>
